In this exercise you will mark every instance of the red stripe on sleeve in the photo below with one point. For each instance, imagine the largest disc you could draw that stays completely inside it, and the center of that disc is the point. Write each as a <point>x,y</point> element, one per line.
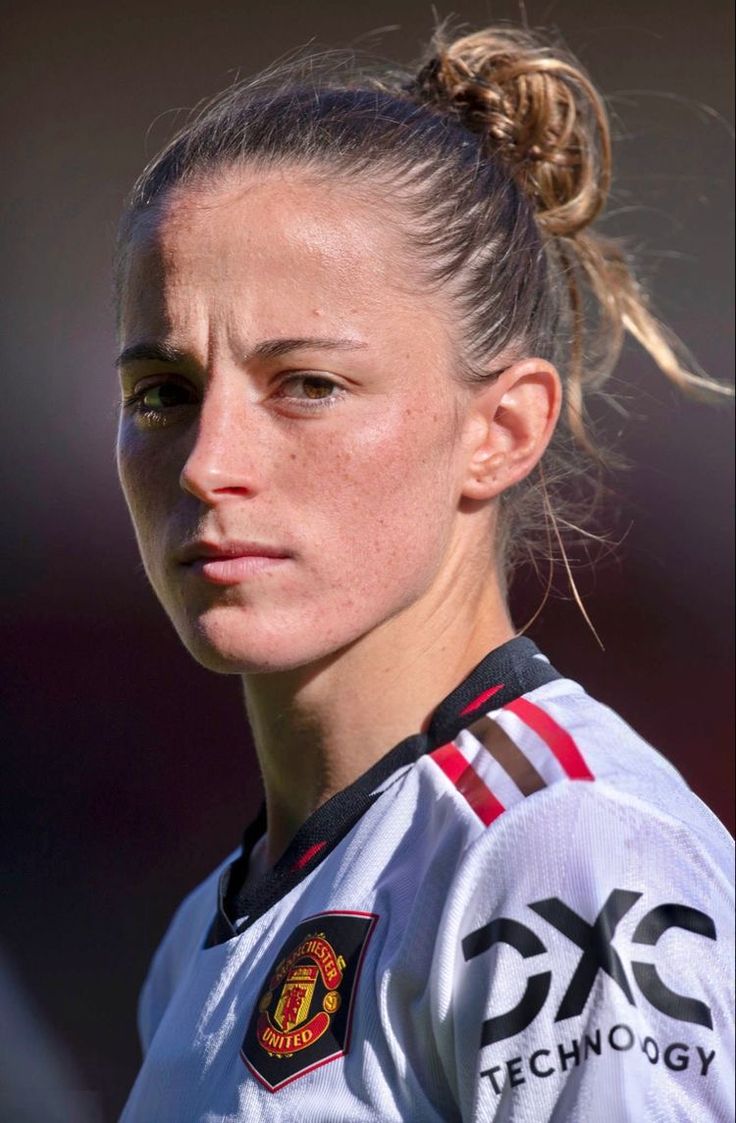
<point>557,738</point>
<point>468,782</point>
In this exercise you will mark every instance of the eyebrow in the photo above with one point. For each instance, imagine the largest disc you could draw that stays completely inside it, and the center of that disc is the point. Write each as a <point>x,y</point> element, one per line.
<point>266,349</point>
<point>158,352</point>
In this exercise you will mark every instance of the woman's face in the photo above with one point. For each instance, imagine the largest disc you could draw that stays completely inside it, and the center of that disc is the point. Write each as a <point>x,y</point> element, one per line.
<point>290,438</point>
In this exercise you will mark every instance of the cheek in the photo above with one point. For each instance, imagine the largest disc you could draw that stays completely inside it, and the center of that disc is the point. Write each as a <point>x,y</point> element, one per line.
<point>383,496</point>
<point>149,478</point>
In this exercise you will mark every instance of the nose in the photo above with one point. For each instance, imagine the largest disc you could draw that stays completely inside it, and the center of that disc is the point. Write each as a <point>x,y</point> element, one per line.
<point>222,460</point>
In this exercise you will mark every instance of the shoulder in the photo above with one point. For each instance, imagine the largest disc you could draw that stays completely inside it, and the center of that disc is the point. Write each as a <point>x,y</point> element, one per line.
<point>183,939</point>
<point>591,921</point>
<point>556,763</point>
<point>580,842</point>
<point>605,834</point>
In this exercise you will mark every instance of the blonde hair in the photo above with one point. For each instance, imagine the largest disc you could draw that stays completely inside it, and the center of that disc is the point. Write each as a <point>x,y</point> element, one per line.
<point>538,112</point>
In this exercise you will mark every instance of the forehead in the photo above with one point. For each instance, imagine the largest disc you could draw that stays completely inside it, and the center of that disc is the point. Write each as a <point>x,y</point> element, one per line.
<point>273,248</point>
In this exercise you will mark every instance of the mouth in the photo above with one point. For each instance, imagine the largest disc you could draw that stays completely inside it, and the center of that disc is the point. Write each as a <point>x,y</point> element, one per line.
<point>229,563</point>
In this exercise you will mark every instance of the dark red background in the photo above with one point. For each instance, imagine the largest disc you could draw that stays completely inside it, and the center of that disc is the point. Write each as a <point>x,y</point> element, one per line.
<point>128,769</point>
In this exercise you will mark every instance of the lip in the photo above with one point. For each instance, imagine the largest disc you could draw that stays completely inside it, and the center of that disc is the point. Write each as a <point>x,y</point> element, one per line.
<point>229,563</point>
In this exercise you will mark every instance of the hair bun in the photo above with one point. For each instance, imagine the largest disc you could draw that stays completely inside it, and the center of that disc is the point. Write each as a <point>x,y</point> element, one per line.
<point>539,112</point>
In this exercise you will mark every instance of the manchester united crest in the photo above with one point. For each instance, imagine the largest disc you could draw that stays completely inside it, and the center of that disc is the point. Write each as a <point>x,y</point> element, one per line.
<point>303,1016</point>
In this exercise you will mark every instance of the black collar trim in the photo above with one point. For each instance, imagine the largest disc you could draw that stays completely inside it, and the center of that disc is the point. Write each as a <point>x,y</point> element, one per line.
<point>505,674</point>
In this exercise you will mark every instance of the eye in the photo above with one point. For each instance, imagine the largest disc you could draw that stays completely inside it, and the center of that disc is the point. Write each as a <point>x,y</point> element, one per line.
<point>156,402</point>
<point>310,390</point>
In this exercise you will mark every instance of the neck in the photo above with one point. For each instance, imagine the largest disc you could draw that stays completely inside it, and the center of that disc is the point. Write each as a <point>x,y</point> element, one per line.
<point>318,728</point>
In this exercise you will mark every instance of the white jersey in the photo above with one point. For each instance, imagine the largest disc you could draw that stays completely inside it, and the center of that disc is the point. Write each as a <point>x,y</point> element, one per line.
<point>522,915</point>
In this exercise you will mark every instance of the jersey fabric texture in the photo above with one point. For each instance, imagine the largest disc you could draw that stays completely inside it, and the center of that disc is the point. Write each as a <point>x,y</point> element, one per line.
<point>523,915</point>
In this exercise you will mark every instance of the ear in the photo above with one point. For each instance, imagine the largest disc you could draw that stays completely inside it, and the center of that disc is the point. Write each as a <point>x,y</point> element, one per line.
<point>508,426</point>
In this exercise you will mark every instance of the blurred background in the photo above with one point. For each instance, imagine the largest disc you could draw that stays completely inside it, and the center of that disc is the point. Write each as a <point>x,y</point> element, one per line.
<point>128,771</point>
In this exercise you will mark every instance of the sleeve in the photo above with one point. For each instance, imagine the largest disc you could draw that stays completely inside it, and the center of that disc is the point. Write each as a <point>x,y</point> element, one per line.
<point>583,970</point>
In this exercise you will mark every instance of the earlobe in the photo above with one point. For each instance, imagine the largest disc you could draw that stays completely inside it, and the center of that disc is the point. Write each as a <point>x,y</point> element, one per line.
<point>512,421</point>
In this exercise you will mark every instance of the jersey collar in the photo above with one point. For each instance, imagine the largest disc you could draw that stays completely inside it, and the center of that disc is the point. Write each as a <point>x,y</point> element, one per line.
<point>505,674</point>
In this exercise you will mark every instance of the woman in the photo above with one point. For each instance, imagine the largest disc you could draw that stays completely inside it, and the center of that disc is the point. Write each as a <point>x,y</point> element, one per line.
<point>357,319</point>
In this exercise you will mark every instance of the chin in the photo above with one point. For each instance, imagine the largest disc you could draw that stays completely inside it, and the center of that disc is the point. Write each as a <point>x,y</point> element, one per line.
<point>230,646</point>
